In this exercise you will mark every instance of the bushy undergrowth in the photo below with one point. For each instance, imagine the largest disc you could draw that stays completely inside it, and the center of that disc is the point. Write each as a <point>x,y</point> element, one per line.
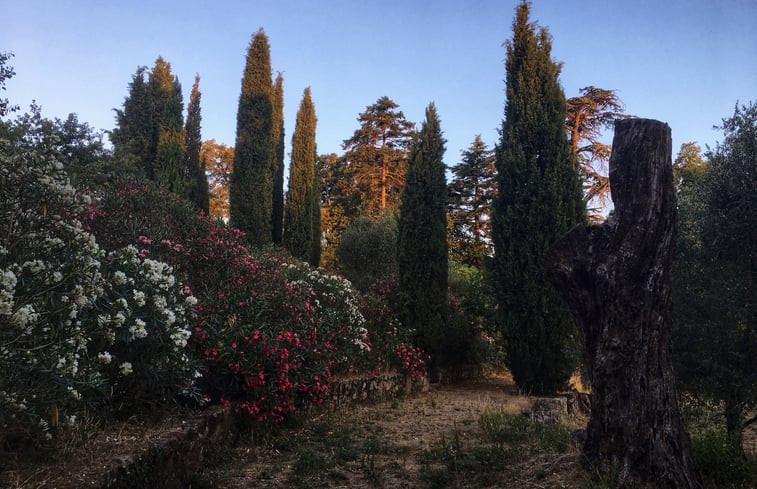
<point>79,328</point>
<point>124,298</point>
<point>271,330</point>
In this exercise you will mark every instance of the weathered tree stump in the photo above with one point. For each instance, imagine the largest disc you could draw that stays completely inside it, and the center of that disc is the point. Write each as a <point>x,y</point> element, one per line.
<point>615,277</point>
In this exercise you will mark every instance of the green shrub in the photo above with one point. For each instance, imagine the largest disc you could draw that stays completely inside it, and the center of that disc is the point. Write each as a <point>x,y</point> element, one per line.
<point>719,464</point>
<point>367,251</point>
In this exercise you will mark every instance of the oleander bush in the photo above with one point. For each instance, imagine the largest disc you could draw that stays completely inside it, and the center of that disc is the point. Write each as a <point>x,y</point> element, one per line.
<point>75,321</point>
<point>271,330</point>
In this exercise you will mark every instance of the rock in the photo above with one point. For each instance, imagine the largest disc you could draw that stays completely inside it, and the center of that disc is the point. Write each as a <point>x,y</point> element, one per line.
<point>548,410</point>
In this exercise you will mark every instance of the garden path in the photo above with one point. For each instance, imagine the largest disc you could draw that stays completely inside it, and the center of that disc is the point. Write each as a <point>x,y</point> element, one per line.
<point>428,440</point>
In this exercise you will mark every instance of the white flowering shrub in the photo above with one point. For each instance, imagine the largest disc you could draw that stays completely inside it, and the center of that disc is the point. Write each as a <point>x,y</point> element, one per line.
<point>144,316</point>
<point>76,327</point>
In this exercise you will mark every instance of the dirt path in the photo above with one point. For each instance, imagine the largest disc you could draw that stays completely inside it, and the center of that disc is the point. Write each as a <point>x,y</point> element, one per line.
<point>431,440</point>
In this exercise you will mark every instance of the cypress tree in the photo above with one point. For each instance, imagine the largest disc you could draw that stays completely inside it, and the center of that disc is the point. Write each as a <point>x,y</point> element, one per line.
<point>315,216</point>
<point>167,145</point>
<point>298,220</point>
<point>132,135</point>
<point>422,245</point>
<point>539,200</point>
<point>194,168</point>
<point>277,216</point>
<point>251,186</point>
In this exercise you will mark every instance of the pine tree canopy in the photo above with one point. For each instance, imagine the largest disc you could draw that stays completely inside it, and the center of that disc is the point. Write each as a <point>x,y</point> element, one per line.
<point>470,198</point>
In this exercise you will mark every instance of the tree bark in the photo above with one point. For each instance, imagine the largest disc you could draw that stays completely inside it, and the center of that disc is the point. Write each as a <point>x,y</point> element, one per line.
<point>615,278</point>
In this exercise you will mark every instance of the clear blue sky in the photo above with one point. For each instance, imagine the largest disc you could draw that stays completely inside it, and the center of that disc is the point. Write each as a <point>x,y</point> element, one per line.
<point>682,62</point>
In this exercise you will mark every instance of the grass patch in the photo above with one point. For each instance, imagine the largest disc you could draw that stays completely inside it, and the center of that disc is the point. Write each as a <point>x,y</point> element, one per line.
<point>720,465</point>
<point>448,460</point>
<point>519,432</point>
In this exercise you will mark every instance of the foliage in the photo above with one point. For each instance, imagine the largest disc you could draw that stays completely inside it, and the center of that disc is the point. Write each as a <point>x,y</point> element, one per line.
<point>338,202</point>
<point>251,190</point>
<point>76,145</point>
<point>471,336</point>
<point>367,250</point>
<point>376,155</point>
<point>218,160</point>
<point>539,200</point>
<point>194,167</point>
<point>588,113</point>
<point>719,464</point>
<point>277,202</point>
<point>148,130</point>
<point>688,165</point>
<point>422,239</point>
<point>74,323</point>
<point>713,294</point>
<point>132,136</point>
<point>6,72</point>
<point>314,209</point>
<point>298,220</point>
<point>271,330</point>
<point>169,161</point>
<point>470,197</point>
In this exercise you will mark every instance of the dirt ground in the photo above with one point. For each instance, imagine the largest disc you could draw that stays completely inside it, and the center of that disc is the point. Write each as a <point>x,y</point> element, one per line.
<point>430,440</point>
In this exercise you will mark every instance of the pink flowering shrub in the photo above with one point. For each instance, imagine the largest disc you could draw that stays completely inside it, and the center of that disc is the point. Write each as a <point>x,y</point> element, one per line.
<point>270,330</point>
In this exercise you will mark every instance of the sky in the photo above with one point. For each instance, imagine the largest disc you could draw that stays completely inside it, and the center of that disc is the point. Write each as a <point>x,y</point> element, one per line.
<point>686,63</point>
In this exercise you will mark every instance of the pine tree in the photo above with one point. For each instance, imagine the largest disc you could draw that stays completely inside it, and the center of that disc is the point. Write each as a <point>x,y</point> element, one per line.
<point>471,194</point>
<point>422,245</point>
<point>376,155</point>
<point>539,200</point>
<point>277,217</point>
<point>194,167</point>
<point>251,191</point>
<point>298,220</point>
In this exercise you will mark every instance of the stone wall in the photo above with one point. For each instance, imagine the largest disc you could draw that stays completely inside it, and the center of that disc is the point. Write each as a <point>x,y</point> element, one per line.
<point>171,461</point>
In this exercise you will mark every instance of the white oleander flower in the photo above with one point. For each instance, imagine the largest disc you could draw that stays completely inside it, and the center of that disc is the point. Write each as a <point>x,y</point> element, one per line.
<point>125,368</point>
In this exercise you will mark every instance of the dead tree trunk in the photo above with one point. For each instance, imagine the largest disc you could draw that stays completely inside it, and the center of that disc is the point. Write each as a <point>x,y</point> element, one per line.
<point>616,279</point>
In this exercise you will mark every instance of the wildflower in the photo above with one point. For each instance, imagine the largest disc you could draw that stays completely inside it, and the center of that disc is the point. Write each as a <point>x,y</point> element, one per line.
<point>104,357</point>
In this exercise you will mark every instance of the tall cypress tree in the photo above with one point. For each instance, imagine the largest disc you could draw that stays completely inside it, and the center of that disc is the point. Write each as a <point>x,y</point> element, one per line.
<point>298,220</point>
<point>167,145</point>
<point>315,216</point>
<point>251,189</point>
<point>132,135</point>
<point>277,216</point>
<point>194,168</point>
<point>539,200</point>
<point>422,245</point>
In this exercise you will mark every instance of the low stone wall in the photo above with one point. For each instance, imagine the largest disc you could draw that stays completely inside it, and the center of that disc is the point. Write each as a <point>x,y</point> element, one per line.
<point>171,461</point>
<point>346,391</point>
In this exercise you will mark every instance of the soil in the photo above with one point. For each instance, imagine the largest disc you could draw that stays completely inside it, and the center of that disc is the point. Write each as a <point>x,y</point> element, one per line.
<point>409,443</point>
